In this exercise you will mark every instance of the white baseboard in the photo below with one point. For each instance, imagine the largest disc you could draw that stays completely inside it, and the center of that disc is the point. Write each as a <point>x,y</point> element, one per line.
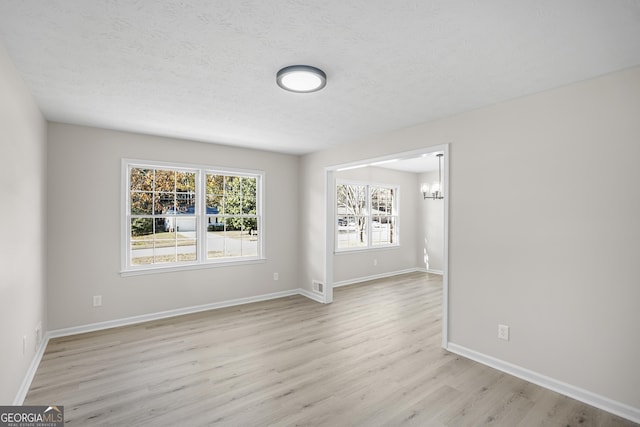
<point>376,276</point>
<point>312,295</point>
<point>593,399</point>
<point>28,378</point>
<point>165,314</point>
<point>31,372</point>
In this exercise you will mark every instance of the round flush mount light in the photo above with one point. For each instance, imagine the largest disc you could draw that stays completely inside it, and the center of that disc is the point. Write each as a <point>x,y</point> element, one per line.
<point>301,78</point>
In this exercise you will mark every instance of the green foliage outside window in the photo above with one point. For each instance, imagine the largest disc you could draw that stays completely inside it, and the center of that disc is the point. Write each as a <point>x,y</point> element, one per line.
<point>141,226</point>
<point>235,199</point>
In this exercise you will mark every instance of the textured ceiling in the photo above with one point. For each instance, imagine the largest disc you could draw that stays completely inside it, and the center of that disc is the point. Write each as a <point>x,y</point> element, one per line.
<point>205,69</point>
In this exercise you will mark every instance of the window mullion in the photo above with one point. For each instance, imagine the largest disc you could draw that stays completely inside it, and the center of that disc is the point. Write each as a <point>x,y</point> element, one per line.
<point>201,219</point>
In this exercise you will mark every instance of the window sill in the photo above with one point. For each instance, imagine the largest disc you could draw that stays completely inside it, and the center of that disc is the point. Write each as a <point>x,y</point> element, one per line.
<point>357,250</point>
<point>172,268</point>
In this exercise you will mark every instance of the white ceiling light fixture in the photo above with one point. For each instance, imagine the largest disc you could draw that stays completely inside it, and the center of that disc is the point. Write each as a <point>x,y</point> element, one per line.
<point>301,78</point>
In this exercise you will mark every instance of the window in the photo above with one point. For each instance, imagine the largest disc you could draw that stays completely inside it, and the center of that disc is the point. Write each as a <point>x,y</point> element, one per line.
<point>185,215</point>
<point>367,216</point>
<point>232,219</point>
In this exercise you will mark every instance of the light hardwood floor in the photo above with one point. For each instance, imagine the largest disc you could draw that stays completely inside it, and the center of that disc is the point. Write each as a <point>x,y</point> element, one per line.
<point>371,358</point>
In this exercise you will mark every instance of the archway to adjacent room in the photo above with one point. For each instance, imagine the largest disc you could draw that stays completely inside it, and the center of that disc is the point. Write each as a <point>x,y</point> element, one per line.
<point>330,222</point>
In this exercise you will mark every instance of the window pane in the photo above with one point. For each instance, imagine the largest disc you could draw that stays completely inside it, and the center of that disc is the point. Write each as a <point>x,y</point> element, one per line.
<point>214,202</point>
<point>186,203</point>
<point>141,252</point>
<point>375,198</point>
<point>361,237</point>
<point>215,238</point>
<point>380,230</point>
<point>181,223</point>
<point>141,203</point>
<point>187,253</point>
<point>141,179</point>
<point>165,180</point>
<point>249,195</point>
<point>233,241</point>
<point>250,238</point>
<point>249,205</point>
<point>352,199</point>
<point>352,232</point>
<point>141,227</point>
<point>164,203</point>
<point>141,241</point>
<point>386,204</point>
<point>186,240</point>
<point>215,224</point>
<point>381,200</point>
<point>164,246</point>
<point>393,221</point>
<point>232,185</point>
<point>185,182</point>
<point>164,233</point>
<point>225,238</point>
<point>169,223</point>
<point>233,236</point>
<point>165,255</point>
<point>232,196</point>
<point>186,227</point>
<point>215,184</point>
<point>346,223</point>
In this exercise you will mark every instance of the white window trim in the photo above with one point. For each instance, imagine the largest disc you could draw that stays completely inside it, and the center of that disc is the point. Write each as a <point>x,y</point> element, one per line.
<point>126,269</point>
<point>369,247</point>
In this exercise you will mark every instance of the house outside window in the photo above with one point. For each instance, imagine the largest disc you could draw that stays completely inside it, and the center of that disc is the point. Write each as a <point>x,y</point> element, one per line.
<point>366,216</point>
<point>184,215</point>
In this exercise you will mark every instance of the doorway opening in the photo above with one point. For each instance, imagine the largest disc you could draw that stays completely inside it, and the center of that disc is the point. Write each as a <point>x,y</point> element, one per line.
<point>408,161</point>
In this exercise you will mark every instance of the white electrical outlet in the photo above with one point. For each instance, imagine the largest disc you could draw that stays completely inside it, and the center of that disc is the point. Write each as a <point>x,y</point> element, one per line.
<point>275,276</point>
<point>97,300</point>
<point>375,262</point>
<point>503,332</point>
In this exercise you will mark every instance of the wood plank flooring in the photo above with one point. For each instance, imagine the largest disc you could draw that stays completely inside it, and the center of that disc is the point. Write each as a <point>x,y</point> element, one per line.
<point>371,358</point>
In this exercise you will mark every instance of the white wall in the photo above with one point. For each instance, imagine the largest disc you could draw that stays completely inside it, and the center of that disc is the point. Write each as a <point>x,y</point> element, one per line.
<point>431,220</point>
<point>83,224</point>
<point>22,258</point>
<point>360,264</point>
<point>552,250</point>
